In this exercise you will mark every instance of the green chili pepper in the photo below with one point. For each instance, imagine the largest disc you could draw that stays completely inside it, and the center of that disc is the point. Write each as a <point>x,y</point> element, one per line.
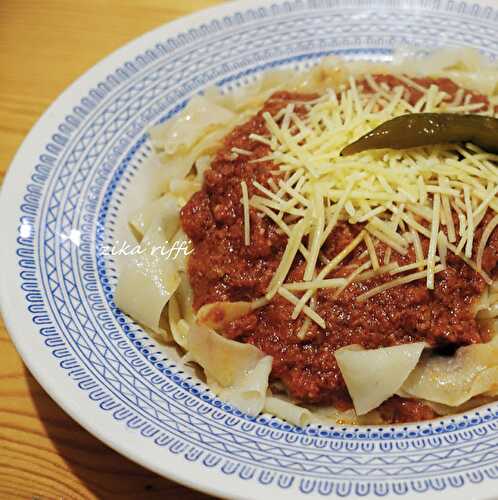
<point>424,129</point>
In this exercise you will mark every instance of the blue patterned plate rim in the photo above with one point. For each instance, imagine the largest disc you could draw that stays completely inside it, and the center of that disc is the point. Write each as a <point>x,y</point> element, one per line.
<point>474,435</point>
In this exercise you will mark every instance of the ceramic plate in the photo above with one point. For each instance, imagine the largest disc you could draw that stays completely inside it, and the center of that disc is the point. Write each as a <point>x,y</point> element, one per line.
<point>67,194</point>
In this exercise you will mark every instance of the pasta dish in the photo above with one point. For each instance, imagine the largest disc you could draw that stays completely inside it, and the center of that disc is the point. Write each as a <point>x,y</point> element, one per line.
<point>342,227</point>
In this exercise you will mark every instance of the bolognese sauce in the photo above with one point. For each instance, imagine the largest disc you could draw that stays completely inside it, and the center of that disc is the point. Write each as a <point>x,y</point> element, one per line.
<point>223,268</point>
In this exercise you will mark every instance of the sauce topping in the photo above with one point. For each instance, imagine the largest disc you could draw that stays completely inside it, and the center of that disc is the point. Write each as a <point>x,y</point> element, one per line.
<point>223,268</point>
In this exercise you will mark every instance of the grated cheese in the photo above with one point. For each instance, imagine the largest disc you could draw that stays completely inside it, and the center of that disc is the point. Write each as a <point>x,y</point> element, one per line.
<point>240,151</point>
<point>306,309</point>
<point>417,245</point>
<point>400,196</point>
<point>431,256</point>
<point>315,284</point>
<point>445,200</point>
<point>352,276</point>
<point>394,283</point>
<point>387,268</point>
<point>388,241</point>
<point>247,219</point>
<point>442,247</point>
<point>319,223</point>
<point>490,227</point>
<point>410,267</point>
<point>371,252</point>
<point>287,258</point>
<point>301,334</point>
<point>327,269</point>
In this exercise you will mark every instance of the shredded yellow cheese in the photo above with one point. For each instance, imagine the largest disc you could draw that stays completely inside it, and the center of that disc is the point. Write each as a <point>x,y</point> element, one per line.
<point>490,227</point>
<point>431,257</point>
<point>327,269</point>
<point>247,219</point>
<point>394,283</point>
<point>470,222</point>
<point>352,276</point>
<point>315,284</point>
<point>240,151</point>
<point>379,272</point>
<point>439,193</point>
<point>306,309</point>
<point>442,247</point>
<point>287,259</point>
<point>318,227</point>
<point>301,334</point>
<point>371,252</point>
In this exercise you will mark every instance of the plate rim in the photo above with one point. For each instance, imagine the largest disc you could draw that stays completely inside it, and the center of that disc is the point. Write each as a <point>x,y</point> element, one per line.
<point>12,183</point>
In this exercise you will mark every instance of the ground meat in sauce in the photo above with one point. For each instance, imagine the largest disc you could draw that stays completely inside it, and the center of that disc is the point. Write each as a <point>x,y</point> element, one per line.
<point>397,410</point>
<point>222,268</point>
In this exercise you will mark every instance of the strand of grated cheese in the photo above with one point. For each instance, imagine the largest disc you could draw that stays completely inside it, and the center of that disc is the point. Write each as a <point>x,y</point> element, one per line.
<point>397,282</point>
<point>262,139</point>
<point>442,247</point>
<point>307,321</point>
<point>371,252</point>
<point>490,227</point>
<point>277,206</point>
<point>247,219</point>
<point>402,250</point>
<point>395,221</point>
<point>306,309</point>
<point>445,200</point>
<point>241,151</point>
<point>327,269</point>
<point>387,268</point>
<point>485,203</point>
<point>431,256</point>
<point>266,211</point>
<point>470,263</point>
<point>352,277</point>
<point>389,232</point>
<point>409,267</point>
<point>470,222</point>
<point>257,303</point>
<point>287,258</point>
<point>315,284</point>
<point>319,223</point>
<point>301,334</point>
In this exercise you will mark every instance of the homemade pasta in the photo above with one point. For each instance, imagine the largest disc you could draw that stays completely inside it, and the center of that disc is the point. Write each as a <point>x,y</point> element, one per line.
<point>342,262</point>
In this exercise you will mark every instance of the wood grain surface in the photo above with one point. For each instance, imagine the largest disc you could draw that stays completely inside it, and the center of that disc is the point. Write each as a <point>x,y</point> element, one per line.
<point>44,46</point>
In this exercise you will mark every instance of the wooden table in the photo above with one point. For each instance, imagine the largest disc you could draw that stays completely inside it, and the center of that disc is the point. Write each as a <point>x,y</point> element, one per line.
<point>44,46</point>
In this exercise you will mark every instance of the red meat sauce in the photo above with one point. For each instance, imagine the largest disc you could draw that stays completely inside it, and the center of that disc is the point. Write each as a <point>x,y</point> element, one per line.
<point>222,268</point>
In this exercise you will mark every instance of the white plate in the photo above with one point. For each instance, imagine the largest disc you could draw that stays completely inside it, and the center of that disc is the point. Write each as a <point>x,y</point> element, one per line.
<point>67,192</point>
